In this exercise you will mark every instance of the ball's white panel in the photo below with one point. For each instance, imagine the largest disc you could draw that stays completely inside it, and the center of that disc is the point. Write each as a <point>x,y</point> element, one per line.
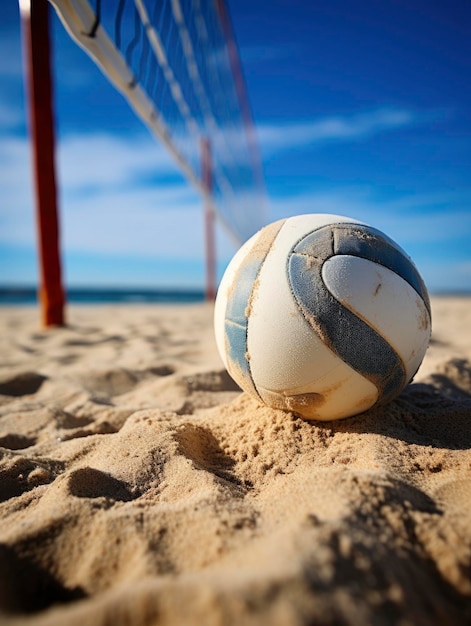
<point>284,350</point>
<point>339,393</point>
<point>223,293</point>
<point>385,301</point>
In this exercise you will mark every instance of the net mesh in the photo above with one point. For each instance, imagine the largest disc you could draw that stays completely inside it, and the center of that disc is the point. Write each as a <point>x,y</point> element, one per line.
<point>177,64</point>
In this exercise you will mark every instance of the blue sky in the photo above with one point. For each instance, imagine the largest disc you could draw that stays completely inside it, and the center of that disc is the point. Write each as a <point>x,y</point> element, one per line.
<point>362,109</point>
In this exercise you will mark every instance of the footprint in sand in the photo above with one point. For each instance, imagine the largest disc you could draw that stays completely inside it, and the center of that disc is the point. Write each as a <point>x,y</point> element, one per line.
<point>92,483</point>
<point>13,441</point>
<point>26,587</point>
<point>109,382</point>
<point>211,381</point>
<point>21,383</point>
<point>19,474</point>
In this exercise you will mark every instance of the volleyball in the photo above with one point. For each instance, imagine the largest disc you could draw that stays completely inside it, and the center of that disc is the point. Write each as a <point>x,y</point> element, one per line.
<point>322,315</point>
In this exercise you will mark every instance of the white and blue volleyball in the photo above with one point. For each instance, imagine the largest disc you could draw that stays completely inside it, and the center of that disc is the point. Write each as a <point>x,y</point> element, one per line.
<point>322,315</point>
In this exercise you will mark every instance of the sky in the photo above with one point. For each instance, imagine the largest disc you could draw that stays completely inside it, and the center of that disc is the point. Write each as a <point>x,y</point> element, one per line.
<point>361,109</point>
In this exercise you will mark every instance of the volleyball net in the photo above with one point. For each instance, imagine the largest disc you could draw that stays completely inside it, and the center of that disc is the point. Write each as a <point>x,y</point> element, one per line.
<point>177,64</point>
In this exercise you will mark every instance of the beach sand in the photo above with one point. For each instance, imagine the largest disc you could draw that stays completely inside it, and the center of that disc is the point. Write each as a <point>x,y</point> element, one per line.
<point>139,486</point>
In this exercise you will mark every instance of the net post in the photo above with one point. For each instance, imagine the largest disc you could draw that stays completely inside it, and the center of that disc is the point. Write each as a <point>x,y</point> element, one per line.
<point>35,27</point>
<point>207,180</point>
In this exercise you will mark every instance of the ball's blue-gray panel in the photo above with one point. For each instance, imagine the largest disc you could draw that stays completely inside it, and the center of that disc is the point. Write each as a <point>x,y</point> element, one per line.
<point>350,337</point>
<point>238,305</point>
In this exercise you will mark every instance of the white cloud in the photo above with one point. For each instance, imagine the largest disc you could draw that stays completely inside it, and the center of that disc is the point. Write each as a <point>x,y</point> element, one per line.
<point>108,206</point>
<point>104,201</point>
<point>104,160</point>
<point>143,222</point>
<point>275,138</point>
<point>16,197</point>
<point>104,205</point>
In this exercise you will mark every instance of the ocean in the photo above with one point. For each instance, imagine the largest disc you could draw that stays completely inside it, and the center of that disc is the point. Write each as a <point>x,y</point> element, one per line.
<point>80,295</point>
<point>10,296</point>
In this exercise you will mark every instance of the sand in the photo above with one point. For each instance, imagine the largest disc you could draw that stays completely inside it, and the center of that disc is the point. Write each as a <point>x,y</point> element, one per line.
<point>139,486</point>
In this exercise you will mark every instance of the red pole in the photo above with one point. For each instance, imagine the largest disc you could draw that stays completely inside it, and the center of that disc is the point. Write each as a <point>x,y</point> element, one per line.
<point>35,26</point>
<point>207,179</point>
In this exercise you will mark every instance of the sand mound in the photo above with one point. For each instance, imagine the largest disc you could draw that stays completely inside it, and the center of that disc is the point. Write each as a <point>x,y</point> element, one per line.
<point>139,486</point>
